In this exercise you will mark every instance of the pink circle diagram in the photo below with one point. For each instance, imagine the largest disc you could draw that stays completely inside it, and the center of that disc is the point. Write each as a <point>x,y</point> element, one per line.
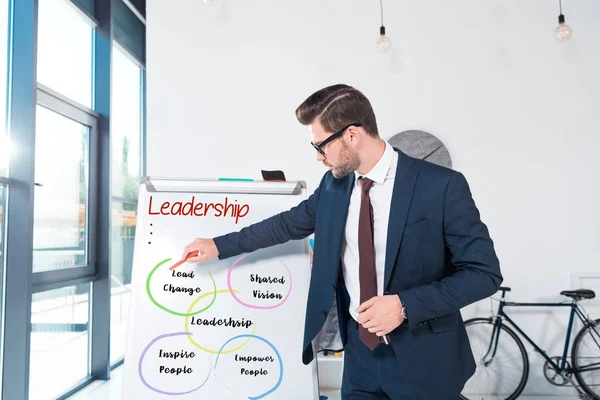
<point>237,261</point>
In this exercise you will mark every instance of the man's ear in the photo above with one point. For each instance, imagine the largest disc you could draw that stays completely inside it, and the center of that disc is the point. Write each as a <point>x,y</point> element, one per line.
<point>354,133</point>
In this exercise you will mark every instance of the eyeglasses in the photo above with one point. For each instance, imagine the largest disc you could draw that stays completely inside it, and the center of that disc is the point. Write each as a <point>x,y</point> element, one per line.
<point>319,147</point>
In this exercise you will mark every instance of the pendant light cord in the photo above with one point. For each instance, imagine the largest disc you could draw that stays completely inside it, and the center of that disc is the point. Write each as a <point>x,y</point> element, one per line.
<point>381,8</point>
<point>560,5</point>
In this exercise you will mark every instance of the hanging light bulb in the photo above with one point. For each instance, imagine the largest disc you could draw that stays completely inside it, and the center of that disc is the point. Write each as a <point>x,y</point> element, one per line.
<point>384,44</point>
<point>563,32</point>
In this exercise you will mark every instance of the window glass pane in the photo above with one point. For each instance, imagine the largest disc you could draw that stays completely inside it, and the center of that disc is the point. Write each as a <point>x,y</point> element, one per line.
<point>3,79</point>
<point>61,176</point>
<point>126,127</point>
<point>64,61</point>
<point>126,161</point>
<point>122,239</point>
<point>59,340</point>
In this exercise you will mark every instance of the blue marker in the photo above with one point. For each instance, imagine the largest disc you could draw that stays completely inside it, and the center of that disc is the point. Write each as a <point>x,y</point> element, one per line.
<point>312,244</point>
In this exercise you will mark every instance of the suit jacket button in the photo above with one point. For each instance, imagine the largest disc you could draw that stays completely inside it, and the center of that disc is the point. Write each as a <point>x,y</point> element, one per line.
<point>324,313</point>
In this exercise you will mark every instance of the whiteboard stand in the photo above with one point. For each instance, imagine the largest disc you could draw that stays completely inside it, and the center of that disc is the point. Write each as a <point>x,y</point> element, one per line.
<point>222,329</point>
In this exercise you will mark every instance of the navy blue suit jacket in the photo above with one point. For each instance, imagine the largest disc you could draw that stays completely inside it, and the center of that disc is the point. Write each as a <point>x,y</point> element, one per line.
<point>439,258</point>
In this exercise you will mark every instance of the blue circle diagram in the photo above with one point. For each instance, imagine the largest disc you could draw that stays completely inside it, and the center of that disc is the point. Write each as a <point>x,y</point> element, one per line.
<point>260,396</point>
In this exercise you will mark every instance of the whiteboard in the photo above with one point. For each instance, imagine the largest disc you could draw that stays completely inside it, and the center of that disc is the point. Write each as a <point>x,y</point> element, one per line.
<point>222,329</point>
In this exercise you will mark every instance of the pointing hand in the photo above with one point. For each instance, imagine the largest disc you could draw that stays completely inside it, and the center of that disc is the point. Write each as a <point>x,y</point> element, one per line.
<point>207,250</point>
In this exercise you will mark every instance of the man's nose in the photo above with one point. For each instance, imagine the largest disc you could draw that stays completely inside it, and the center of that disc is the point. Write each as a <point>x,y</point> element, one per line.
<point>320,156</point>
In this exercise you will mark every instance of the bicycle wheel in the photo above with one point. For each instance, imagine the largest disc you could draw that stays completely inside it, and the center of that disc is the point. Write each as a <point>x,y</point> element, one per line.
<point>503,374</point>
<point>586,352</point>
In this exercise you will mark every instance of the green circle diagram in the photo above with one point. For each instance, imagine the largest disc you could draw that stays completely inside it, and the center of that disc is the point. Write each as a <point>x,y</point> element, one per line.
<point>179,314</point>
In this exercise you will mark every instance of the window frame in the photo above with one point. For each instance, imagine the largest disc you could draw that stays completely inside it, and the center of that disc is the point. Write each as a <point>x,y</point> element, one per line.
<point>47,280</point>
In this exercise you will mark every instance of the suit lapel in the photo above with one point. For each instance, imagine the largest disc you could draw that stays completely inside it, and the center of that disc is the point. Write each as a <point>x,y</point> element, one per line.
<point>404,185</point>
<point>339,211</point>
<point>331,229</point>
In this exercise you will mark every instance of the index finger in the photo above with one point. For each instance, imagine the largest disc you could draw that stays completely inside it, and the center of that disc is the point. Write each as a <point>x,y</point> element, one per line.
<point>193,253</point>
<point>186,252</point>
<point>366,304</point>
<point>365,316</point>
<point>187,258</point>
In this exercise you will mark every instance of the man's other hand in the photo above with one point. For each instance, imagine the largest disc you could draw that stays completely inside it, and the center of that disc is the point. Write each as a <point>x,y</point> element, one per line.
<point>207,250</point>
<point>381,314</point>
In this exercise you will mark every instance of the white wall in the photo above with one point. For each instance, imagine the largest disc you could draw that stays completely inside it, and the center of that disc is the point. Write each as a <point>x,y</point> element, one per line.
<point>518,111</point>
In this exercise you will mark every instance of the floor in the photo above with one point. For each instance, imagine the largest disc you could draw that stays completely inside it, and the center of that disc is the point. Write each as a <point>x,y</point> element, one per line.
<point>111,390</point>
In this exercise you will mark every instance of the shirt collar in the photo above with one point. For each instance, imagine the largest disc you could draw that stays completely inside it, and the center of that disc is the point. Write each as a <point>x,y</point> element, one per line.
<point>380,170</point>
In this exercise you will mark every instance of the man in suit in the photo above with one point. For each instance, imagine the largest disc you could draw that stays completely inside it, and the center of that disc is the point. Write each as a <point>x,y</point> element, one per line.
<point>399,249</point>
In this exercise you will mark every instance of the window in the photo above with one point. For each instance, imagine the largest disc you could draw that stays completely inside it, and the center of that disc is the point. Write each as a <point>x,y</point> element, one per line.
<point>59,340</point>
<point>126,126</point>
<point>122,237</point>
<point>64,62</point>
<point>60,229</point>
<point>126,170</point>
<point>64,207</point>
<point>63,245</point>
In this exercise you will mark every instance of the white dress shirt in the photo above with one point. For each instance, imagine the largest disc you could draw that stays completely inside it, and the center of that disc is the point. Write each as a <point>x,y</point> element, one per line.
<point>382,175</point>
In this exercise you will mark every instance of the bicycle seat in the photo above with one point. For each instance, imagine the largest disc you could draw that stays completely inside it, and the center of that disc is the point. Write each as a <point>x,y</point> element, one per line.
<point>579,294</point>
<point>504,289</point>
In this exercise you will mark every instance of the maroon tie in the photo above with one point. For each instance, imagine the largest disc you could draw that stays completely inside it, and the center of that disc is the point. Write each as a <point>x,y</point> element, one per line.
<point>366,250</point>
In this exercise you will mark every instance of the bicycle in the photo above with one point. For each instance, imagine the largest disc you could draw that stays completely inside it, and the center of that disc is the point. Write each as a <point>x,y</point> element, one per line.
<point>502,361</point>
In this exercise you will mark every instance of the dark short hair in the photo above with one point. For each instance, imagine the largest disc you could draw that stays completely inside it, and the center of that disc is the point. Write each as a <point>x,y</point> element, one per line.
<point>337,106</point>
